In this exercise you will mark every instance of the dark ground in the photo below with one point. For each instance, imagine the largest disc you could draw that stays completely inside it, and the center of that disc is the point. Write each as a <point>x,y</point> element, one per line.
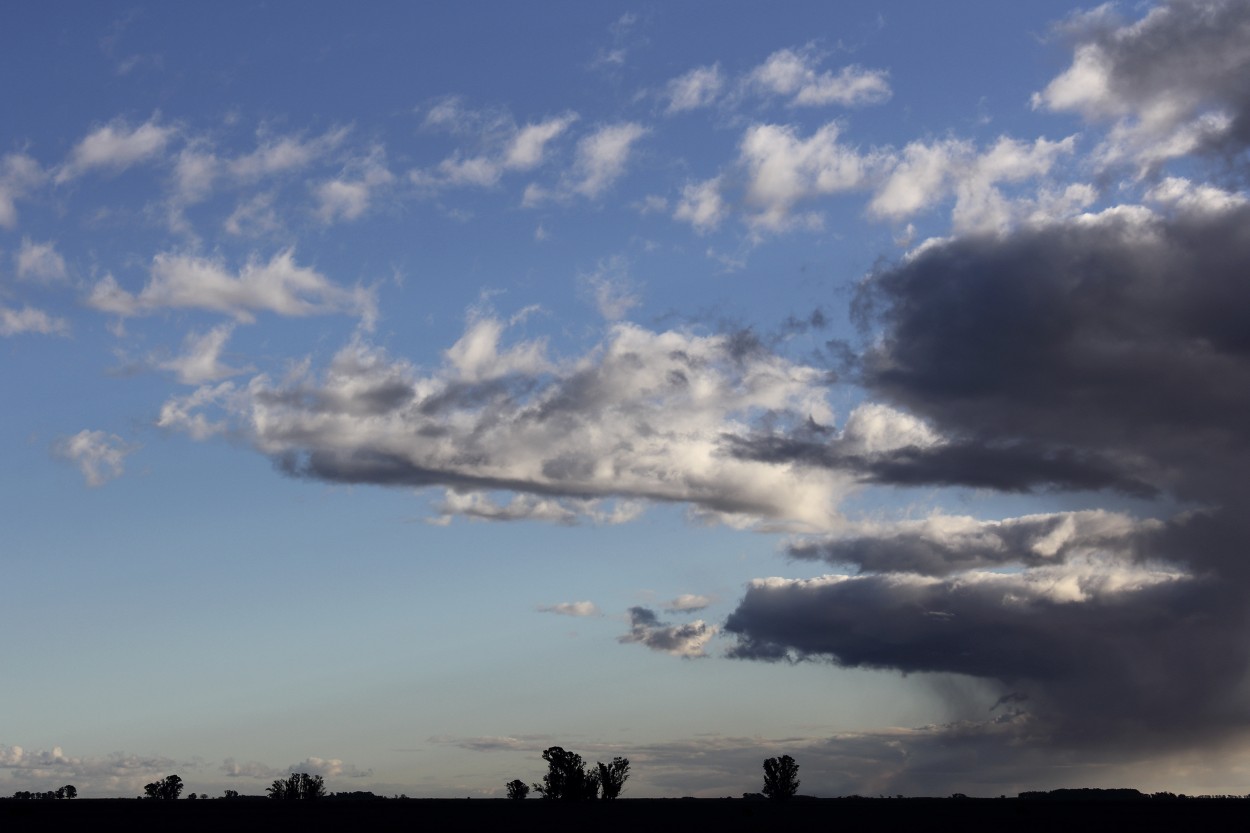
<point>633,815</point>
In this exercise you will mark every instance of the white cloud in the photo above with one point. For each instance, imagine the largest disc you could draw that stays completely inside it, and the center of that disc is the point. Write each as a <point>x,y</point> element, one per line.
<point>254,217</point>
<point>195,171</point>
<point>280,286</point>
<point>611,288</point>
<point>40,262</point>
<point>783,169</point>
<point>702,205</point>
<point>115,146</point>
<point>688,602</point>
<point>602,157</point>
<point>526,149</point>
<point>19,173</point>
<point>100,456</point>
<point>348,197</point>
<point>697,88</point>
<point>201,359</point>
<point>1195,198</point>
<point>572,609</point>
<point>506,147</point>
<point>927,173</point>
<point>641,417</point>
<point>793,74</point>
<point>284,154</point>
<point>30,320</point>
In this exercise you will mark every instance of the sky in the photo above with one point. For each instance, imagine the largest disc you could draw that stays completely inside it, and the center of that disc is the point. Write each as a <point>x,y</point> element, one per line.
<point>395,391</point>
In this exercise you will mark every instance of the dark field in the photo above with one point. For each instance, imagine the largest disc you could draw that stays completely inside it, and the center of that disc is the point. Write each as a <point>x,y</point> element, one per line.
<point>633,815</point>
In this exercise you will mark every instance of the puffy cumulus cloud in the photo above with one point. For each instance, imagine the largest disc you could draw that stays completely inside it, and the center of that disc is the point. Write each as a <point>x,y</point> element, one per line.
<point>522,507</point>
<point>695,89</point>
<point>115,146</point>
<point>685,641</point>
<point>19,174</point>
<point>101,457</point>
<point>702,204</point>
<point>115,774</point>
<point>922,174</point>
<point>1171,83</point>
<point>611,288</point>
<point>348,196</point>
<point>280,286</point>
<point>1194,198</point>
<point>39,262</point>
<point>201,361</point>
<point>643,416</point>
<point>783,169</point>
<point>572,609</point>
<point>329,768</point>
<point>30,320</point>
<point>793,75</point>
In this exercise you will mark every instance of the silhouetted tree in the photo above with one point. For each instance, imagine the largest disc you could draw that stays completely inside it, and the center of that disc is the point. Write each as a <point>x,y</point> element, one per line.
<point>612,777</point>
<point>781,778</point>
<point>567,778</point>
<point>300,785</point>
<point>231,794</point>
<point>70,791</point>
<point>518,789</point>
<point>169,787</point>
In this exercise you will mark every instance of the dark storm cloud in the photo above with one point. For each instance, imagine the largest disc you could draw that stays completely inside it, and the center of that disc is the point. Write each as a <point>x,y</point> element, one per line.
<point>1117,344</point>
<point>1119,340</point>
<point>1015,466</point>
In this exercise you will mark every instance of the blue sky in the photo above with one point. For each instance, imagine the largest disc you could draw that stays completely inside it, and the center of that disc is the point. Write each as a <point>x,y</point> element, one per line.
<point>394,392</point>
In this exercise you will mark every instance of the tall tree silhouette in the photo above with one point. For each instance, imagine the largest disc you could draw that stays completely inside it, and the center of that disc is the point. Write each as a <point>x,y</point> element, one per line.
<point>300,785</point>
<point>781,778</point>
<point>612,777</point>
<point>168,788</point>
<point>567,778</point>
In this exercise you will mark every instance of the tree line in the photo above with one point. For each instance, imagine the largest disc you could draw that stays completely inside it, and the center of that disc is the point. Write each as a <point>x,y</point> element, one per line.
<point>568,778</point>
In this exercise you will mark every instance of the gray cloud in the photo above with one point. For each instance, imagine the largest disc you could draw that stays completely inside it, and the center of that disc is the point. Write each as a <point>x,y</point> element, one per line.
<point>1108,352</point>
<point>639,417</point>
<point>686,640</point>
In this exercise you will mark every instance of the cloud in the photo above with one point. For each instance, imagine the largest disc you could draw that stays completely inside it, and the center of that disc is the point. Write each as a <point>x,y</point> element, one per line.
<point>1170,84</point>
<point>40,262</point>
<point>115,146</point>
<point>101,457</point>
<point>783,169</point>
<point>280,286</point>
<point>201,361</point>
<point>688,603</point>
<point>118,773</point>
<point>697,88</point>
<point>684,641</point>
<point>572,609</point>
<point>503,147</point>
<point>793,75</point>
<point>348,197</point>
<point>284,154</point>
<point>702,205</point>
<point>30,320</point>
<point>641,416</point>
<point>602,157</point>
<point>325,767</point>
<point>1091,353</point>
<point>610,288</point>
<point>19,174</point>
<point>925,174</point>
<point>942,545</point>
